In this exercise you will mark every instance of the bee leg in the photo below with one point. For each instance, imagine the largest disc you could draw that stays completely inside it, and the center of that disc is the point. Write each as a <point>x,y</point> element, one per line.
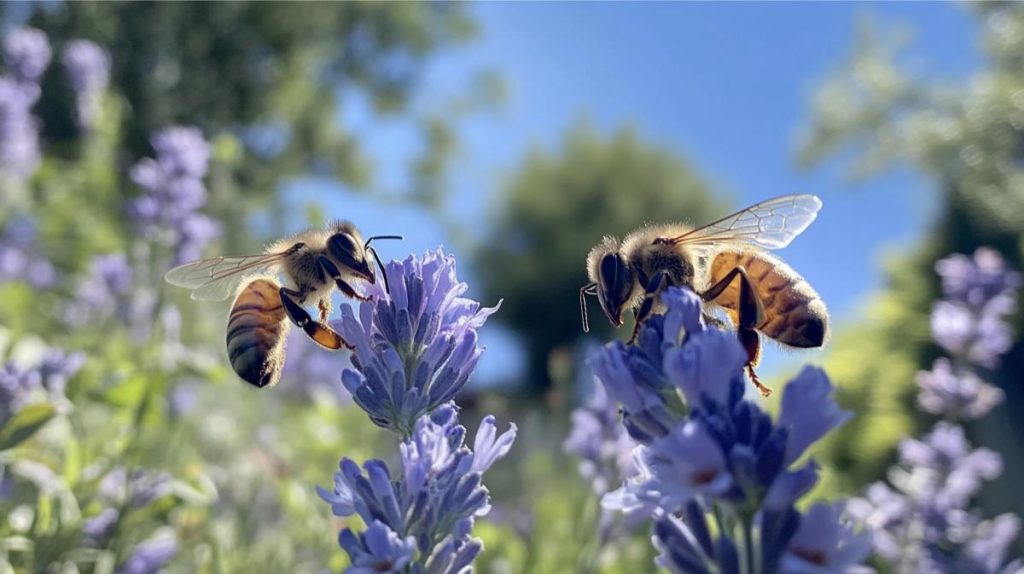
<point>332,271</point>
<point>324,306</point>
<point>654,288</point>
<point>320,333</point>
<point>749,314</point>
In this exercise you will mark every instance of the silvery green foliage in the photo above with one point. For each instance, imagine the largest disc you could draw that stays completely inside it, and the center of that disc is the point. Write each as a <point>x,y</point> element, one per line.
<point>706,453</point>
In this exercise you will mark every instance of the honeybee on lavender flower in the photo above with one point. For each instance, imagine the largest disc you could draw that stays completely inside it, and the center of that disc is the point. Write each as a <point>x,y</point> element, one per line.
<point>313,262</point>
<point>725,262</point>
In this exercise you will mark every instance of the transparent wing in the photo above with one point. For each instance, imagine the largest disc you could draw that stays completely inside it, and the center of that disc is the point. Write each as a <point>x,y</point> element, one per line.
<point>216,278</point>
<point>771,224</point>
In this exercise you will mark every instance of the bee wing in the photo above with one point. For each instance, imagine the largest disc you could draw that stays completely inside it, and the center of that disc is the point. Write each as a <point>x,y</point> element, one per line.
<point>216,278</point>
<point>771,224</point>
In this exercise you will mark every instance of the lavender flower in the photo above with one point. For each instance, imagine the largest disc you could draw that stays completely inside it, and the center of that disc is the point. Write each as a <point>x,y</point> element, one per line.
<point>136,489</point>
<point>704,449</point>
<point>111,291</point>
<point>980,293</point>
<point>151,556</point>
<point>27,54</point>
<point>378,550</point>
<point>20,256</point>
<point>424,516</point>
<point>824,543</point>
<point>600,442</point>
<point>945,390</point>
<point>98,529</point>
<point>45,380</point>
<point>309,372</point>
<point>19,130</point>
<point>921,520</point>
<point>16,387</point>
<point>88,69</point>
<point>415,347</point>
<point>167,212</point>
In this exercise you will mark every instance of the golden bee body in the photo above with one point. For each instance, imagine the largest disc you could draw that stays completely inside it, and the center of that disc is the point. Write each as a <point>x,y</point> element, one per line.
<point>257,329</point>
<point>794,313</point>
<point>313,264</point>
<point>727,264</point>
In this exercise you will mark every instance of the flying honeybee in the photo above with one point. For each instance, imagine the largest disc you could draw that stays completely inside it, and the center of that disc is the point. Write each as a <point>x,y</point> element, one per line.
<point>313,262</point>
<point>725,262</point>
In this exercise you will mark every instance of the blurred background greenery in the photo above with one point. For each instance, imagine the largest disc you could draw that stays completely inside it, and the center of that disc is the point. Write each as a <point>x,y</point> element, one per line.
<point>354,110</point>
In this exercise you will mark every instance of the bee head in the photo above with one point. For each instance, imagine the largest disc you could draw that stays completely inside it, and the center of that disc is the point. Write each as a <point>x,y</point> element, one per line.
<point>613,277</point>
<point>346,247</point>
<point>615,283</point>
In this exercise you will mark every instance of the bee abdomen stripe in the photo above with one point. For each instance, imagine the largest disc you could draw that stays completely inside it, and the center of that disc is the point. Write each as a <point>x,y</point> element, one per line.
<point>255,307</point>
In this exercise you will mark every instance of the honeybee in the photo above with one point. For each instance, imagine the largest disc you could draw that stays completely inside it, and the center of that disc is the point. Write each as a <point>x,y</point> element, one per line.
<point>725,262</point>
<point>313,262</point>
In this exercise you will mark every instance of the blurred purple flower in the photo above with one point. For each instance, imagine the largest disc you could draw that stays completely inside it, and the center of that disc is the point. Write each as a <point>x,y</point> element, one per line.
<point>20,257</point>
<point>923,523</point>
<point>88,69</point>
<point>136,488</point>
<point>978,279</point>
<point>945,391</point>
<point>182,152</point>
<point>600,442</point>
<point>16,387</point>
<point>174,191</point>
<point>46,379</point>
<point>87,65</point>
<point>98,528</point>
<point>309,372</point>
<point>27,54</point>
<point>19,130</point>
<point>980,293</point>
<point>110,291</point>
<point>433,502</point>
<point>183,399</point>
<point>151,556</point>
<point>416,346</point>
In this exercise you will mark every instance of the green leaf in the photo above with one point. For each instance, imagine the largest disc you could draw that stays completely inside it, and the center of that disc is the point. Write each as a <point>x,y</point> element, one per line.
<point>24,424</point>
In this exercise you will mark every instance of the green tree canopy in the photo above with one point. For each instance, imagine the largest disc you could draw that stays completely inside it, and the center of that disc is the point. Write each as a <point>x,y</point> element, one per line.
<point>555,208</point>
<point>968,140</point>
<point>271,74</point>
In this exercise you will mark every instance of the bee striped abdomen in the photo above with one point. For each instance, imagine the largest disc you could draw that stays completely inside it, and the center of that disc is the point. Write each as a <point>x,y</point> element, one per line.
<point>257,327</point>
<point>794,313</point>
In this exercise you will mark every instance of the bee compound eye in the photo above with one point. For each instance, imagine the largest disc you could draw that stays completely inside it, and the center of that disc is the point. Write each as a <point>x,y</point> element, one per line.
<point>345,249</point>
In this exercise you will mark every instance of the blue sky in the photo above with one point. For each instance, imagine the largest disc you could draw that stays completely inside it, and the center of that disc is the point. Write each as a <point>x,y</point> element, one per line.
<point>727,85</point>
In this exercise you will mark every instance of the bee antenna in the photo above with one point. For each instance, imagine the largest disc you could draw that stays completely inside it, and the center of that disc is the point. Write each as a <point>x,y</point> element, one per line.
<point>380,266</point>
<point>367,244</point>
<point>587,289</point>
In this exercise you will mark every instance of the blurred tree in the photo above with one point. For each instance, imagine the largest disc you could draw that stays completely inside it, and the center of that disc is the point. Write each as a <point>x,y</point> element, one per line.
<point>968,139</point>
<point>554,209</point>
<point>266,73</point>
